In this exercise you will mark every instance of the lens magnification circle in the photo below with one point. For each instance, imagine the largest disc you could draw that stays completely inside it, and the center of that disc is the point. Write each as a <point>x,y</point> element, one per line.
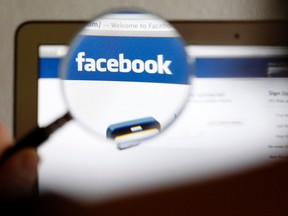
<point>126,76</point>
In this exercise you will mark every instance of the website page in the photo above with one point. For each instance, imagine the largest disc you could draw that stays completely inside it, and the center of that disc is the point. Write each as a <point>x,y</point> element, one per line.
<point>236,117</point>
<point>238,106</point>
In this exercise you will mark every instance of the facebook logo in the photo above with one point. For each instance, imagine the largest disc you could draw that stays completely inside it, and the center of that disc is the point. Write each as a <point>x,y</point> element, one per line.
<point>123,65</point>
<point>130,59</point>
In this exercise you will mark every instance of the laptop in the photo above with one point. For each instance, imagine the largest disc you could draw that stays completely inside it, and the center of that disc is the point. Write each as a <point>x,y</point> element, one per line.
<point>236,117</point>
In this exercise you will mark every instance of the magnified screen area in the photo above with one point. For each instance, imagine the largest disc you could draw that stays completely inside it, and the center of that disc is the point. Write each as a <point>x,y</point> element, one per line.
<point>122,73</point>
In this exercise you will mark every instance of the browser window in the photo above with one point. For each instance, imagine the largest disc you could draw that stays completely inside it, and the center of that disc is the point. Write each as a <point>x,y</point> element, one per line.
<point>239,99</point>
<point>236,114</point>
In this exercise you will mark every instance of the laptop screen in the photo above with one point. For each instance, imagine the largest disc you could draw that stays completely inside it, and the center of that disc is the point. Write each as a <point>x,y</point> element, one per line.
<point>237,109</point>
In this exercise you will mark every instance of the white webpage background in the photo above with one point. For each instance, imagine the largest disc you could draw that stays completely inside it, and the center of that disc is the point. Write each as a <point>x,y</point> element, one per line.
<point>228,125</point>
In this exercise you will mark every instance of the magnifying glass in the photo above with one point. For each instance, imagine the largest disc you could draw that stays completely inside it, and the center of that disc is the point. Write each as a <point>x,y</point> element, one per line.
<point>126,78</point>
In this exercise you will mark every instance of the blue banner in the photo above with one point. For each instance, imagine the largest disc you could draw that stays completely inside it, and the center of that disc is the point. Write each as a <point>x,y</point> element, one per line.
<point>205,67</point>
<point>241,67</point>
<point>49,67</point>
<point>135,59</point>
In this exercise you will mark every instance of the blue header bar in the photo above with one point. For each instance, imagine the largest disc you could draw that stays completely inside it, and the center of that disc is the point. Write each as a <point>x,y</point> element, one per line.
<point>206,67</point>
<point>49,67</point>
<point>130,59</point>
<point>241,67</point>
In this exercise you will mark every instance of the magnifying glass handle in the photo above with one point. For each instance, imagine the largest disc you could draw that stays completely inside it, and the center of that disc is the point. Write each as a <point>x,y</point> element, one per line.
<point>36,137</point>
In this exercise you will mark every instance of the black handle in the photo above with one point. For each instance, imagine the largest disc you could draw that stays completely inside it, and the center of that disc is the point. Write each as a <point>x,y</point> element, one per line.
<point>33,139</point>
<point>36,137</point>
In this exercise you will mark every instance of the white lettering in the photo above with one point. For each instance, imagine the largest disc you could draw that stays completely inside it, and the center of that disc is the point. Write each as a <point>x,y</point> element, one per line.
<point>80,60</point>
<point>163,66</point>
<point>123,65</point>
<point>138,66</point>
<point>151,66</point>
<point>89,65</point>
<point>99,65</point>
<point>112,65</point>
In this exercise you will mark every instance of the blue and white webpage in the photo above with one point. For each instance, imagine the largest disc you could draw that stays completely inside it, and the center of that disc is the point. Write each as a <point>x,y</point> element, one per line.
<point>236,117</point>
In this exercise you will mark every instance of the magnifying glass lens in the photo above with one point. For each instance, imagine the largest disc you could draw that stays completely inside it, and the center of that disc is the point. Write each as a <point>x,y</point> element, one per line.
<point>126,76</point>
